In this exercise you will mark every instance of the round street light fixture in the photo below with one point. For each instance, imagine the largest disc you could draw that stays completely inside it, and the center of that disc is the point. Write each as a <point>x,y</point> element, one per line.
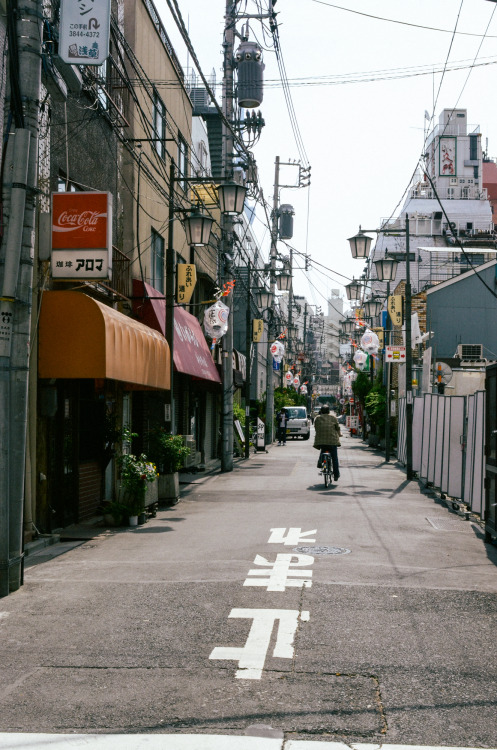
<point>197,227</point>
<point>386,269</point>
<point>231,197</point>
<point>360,245</point>
<point>354,290</point>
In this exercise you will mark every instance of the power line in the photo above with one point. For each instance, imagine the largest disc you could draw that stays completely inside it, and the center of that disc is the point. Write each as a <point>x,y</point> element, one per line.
<point>392,20</point>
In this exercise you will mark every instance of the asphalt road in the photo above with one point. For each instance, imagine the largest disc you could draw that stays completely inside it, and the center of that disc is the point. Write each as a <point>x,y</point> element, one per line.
<point>264,605</point>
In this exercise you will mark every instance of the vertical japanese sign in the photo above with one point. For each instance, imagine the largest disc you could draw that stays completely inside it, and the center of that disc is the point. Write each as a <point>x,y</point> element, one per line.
<point>84,31</point>
<point>82,235</point>
<point>395,309</point>
<point>187,278</point>
<point>257,329</point>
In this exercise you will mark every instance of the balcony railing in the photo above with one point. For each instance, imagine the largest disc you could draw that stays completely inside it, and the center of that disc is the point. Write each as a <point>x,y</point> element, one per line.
<point>121,273</point>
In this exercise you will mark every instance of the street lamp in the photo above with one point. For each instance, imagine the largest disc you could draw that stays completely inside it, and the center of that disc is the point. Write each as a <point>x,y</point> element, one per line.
<point>197,228</point>
<point>231,197</point>
<point>360,245</point>
<point>348,326</point>
<point>386,269</point>
<point>264,298</point>
<point>284,280</point>
<point>372,307</point>
<point>354,290</point>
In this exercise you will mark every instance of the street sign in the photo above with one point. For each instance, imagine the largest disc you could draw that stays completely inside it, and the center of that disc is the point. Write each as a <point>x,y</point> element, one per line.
<point>395,354</point>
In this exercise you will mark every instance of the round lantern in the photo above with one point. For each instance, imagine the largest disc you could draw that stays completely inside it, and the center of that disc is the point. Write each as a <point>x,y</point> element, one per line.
<point>360,358</point>
<point>289,376</point>
<point>370,342</point>
<point>277,350</point>
<point>216,320</point>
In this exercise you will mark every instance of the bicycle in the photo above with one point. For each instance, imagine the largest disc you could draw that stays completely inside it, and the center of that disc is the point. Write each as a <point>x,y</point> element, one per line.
<point>326,469</point>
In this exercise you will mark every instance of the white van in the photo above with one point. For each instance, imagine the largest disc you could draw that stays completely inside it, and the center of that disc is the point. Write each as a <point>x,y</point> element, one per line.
<point>298,425</point>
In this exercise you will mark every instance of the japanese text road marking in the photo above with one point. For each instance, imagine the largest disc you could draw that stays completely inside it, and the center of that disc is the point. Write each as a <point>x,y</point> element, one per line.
<point>279,575</point>
<point>252,656</point>
<point>294,536</point>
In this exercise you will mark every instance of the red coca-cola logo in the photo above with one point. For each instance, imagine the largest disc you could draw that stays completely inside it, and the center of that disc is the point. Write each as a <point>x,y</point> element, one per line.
<point>80,220</point>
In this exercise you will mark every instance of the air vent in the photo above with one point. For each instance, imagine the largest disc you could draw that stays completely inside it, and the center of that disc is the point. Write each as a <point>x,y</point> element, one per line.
<point>470,351</point>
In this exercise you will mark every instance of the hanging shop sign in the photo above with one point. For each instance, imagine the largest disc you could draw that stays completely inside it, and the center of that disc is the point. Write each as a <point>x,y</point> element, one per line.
<point>257,329</point>
<point>395,309</point>
<point>82,235</point>
<point>84,31</point>
<point>186,274</point>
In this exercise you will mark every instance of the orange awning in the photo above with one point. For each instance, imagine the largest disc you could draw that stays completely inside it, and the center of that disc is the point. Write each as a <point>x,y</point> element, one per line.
<point>80,337</point>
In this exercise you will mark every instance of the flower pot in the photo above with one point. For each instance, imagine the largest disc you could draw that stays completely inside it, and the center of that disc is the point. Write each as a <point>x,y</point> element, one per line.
<point>142,518</point>
<point>133,520</point>
<point>169,488</point>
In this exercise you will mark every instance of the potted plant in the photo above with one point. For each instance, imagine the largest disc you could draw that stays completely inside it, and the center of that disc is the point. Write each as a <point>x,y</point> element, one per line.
<point>135,472</point>
<point>170,453</point>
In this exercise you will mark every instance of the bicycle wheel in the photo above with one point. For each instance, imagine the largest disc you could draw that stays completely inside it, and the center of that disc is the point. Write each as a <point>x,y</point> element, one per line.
<point>326,471</point>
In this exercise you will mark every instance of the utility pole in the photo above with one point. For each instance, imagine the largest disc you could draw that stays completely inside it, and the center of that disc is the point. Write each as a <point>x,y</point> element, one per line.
<point>227,237</point>
<point>409,401</point>
<point>272,263</point>
<point>16,269</point>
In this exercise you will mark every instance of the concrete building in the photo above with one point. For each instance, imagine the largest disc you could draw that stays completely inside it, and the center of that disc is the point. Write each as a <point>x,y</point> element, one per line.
<point>448,207</point>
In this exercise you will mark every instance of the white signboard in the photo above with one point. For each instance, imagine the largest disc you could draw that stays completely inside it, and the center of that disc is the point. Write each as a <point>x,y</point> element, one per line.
<point>84,31</point>
<point>83,264</point>
<point>395,354</point>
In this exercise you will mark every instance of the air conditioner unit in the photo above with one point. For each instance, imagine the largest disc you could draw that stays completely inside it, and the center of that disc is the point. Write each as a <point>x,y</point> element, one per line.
<point>470,351</point>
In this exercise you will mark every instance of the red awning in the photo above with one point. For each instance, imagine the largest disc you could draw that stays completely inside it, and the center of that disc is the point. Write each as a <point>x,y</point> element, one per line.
<point>191,353</point>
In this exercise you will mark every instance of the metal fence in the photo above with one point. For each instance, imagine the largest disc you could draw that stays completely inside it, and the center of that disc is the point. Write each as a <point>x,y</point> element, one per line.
<point>448,436</point>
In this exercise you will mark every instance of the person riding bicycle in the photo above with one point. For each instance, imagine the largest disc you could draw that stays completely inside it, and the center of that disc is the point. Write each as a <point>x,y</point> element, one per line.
<point>327,437</point>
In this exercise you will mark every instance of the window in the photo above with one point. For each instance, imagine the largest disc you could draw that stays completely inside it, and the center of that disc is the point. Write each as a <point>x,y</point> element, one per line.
<point>160,125</point>
<point>157,263</point>
<point>182,160</point>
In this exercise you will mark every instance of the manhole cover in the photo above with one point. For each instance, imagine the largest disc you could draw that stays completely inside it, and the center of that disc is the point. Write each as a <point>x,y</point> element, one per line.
<point>323,550</point>
<point>448,524</point>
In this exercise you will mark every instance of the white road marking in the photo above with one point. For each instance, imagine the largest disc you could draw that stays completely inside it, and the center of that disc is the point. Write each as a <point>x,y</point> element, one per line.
<point>251,657</point>
<point>294,536</point>
<point>29,741</point>
<point>281,573</point>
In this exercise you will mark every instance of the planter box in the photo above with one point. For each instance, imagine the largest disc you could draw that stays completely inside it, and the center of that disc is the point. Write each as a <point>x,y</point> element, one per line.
<point>168,488</point>
<point>151,493</point>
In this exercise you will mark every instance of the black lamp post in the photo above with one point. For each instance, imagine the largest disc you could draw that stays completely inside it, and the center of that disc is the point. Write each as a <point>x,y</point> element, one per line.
<point>386,270</point>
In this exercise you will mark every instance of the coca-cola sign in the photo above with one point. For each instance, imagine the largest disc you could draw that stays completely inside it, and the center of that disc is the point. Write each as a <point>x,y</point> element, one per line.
<point>82,235</point>
<point>81,220</point>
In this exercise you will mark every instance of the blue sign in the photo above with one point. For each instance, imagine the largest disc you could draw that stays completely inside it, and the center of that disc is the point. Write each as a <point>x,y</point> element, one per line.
<point>276,365</point>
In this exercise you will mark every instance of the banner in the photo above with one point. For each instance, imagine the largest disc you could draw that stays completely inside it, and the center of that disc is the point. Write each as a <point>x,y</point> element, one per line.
<point>395,309</point>
<point>186,274</point>
<point>257,329</point>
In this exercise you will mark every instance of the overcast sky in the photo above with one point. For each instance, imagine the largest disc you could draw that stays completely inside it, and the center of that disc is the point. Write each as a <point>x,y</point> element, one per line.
<point>363,139</point>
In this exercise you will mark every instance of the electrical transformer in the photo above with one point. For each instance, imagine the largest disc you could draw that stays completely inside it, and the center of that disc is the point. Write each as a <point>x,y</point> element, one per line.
<point>250,73</point>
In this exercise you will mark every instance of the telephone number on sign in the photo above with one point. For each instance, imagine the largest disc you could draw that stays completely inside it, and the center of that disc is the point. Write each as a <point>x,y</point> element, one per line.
<point>85,33</point>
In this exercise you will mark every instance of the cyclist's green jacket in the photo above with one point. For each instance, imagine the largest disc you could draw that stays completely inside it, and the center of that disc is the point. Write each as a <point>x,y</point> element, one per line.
<point>327,430</point>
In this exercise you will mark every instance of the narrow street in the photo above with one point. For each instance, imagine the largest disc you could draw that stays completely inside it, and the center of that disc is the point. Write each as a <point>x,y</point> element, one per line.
<point>265,607</point>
